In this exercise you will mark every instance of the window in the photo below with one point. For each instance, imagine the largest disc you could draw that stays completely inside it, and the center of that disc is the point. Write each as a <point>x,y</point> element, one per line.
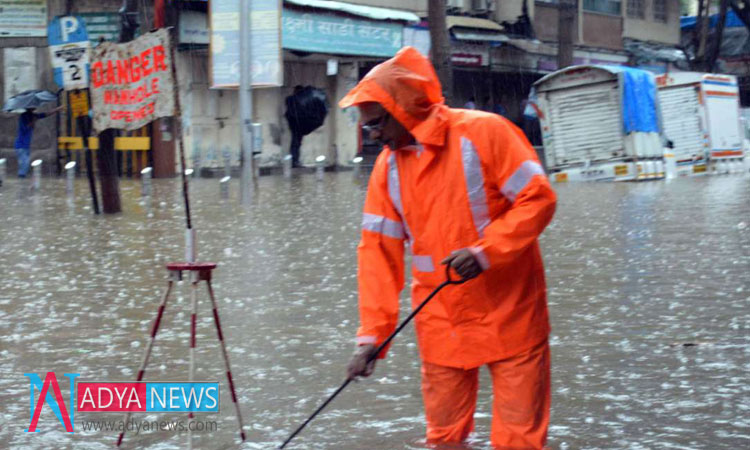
<point>603,6</point>
<point>660,11</point>
<point>636,9</point>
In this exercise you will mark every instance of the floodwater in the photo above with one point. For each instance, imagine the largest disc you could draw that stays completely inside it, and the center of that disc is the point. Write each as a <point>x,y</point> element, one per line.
<point>637,274</point>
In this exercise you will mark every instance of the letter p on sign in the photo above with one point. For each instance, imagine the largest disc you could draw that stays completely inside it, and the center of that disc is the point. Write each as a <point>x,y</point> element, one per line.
<point>68,26</point>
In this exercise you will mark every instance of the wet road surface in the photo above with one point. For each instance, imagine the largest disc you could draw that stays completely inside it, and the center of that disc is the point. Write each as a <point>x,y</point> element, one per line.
<point>637,274</point>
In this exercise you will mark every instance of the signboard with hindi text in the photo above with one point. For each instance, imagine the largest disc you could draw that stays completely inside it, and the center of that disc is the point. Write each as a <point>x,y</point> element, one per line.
<point>328,33</point>
<point>131,83</point>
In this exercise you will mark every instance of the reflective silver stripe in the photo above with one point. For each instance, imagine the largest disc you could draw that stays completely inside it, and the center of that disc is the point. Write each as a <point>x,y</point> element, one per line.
<point>520,179</point>
<point>475,186</point>
<point>382,225</point>
<point>394,191</point>
<point>423,263</point>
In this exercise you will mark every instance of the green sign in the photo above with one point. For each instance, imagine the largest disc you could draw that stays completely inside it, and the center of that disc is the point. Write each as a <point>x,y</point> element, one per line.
<point>328,33</point>
<point>102,25</point>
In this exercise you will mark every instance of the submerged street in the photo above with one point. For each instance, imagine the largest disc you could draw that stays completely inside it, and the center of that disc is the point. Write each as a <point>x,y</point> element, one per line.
<point>649,289</point>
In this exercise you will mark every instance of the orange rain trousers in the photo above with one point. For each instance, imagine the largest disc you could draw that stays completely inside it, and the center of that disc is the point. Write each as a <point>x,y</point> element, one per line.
<point>521,403</point>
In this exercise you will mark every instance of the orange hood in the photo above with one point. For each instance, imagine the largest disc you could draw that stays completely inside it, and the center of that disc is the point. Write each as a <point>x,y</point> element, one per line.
<point>408,88</point>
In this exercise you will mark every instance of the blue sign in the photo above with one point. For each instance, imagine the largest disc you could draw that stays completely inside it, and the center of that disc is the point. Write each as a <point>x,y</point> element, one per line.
<point>69,51</point>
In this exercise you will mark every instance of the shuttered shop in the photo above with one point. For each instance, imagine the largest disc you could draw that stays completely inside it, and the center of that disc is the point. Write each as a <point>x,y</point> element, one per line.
<point>586,123</point>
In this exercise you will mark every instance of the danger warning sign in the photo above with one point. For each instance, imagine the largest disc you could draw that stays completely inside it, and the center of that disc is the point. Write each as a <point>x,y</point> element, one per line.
<point>131,83</point>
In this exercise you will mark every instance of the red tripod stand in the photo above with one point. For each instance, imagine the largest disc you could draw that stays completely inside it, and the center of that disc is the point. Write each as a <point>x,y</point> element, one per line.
<point>198,272</point>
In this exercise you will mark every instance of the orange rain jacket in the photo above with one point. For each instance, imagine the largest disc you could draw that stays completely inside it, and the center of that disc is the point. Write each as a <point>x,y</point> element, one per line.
<point>472,181</point>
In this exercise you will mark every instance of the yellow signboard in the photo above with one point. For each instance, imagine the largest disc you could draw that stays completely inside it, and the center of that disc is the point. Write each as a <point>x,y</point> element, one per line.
<point>79,103</point>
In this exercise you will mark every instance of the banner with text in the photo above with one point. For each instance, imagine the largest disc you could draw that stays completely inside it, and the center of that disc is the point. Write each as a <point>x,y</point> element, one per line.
<point>131,83</point>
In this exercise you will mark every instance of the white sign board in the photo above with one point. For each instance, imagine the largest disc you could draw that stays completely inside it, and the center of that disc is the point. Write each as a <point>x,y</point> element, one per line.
<point>19,70</point>
<point>23,18</point>
<point>193,27</point>
<point>131,83</point>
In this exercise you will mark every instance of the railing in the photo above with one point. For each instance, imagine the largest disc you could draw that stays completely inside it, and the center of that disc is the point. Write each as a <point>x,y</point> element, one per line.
<point>132,151</point>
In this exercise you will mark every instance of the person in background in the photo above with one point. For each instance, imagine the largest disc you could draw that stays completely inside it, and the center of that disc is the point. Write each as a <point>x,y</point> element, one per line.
<point>26,123</point>
<point>471,104</point>
<point>294,118</point>
<point>464,189</point>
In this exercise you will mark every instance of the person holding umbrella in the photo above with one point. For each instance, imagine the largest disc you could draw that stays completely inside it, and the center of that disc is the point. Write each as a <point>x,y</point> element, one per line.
<point>28,101</point>
<point>26,123</point>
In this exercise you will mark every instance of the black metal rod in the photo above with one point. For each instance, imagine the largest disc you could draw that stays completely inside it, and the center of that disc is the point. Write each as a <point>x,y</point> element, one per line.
<point>377,351</point>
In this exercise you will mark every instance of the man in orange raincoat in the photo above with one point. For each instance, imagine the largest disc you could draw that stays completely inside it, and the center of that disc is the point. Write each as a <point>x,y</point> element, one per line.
<point>463,188</point>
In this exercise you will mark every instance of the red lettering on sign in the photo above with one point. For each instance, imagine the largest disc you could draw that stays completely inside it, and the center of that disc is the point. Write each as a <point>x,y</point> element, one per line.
<point>110,73</point>
<point>96,74</point>
<point>159,55</point>
<point>146,62</point>
<point>123,71</point>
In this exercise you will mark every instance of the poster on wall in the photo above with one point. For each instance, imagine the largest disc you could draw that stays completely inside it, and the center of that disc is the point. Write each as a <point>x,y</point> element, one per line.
<point>23,18</point>
<point>19,70</point>
<point>224,21</point>
<point>131,83</point>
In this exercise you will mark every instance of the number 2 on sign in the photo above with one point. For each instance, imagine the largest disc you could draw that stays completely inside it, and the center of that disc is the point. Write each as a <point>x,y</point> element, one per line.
<point>76,75</point>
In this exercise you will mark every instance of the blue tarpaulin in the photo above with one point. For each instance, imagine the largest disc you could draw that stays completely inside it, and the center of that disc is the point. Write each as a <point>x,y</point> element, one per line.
<point>732,21</point>
<point>639,97</point>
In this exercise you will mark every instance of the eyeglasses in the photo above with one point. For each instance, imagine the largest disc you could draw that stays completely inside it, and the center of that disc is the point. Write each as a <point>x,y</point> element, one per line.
<point>376,124</point>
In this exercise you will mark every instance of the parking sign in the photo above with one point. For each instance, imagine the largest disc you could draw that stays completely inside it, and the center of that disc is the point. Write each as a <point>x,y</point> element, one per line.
<point>69,48</point>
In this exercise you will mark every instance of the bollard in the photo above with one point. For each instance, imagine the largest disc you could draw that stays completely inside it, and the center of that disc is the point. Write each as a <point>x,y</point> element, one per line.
<point>320,163</point>
<point>670,165</point>
<point>227,162</point>
<point>70,172</point>
<point>37,174</point>
<point>257,147</point>
<point>256,165</point>
<point>3,171</point>
<point>224,187</point>
<point>357,164</point>
<point>146,182</point>
<point>286,166</point>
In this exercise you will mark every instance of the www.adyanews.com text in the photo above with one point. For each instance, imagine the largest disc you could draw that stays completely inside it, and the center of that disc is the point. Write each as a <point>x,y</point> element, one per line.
<point>143,426</point>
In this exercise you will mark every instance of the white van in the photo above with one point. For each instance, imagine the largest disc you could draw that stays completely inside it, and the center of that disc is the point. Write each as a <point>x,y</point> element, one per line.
<point>701,116</point>
<point>600,123</point>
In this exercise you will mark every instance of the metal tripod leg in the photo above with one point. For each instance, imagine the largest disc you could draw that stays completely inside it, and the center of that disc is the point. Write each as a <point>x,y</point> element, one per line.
<point>217,322</point>
<point>194,299</point>
<point>147,354</point>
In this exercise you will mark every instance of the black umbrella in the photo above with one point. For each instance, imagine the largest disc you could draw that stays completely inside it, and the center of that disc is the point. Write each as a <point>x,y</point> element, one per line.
<point>29,99</point>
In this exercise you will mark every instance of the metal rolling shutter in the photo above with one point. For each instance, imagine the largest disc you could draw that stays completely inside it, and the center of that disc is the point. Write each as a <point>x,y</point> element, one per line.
<point>586,123</point>
<point>682,125</point>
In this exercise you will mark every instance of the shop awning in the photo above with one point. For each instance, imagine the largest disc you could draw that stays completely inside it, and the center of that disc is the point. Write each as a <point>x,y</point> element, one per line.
<point>370,12</point>
<point>472,22</point>
<point>533,46</point>
<point>474,29</point>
